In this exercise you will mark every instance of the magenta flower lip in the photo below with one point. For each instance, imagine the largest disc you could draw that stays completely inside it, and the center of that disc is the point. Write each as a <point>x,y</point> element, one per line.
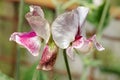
<point>28,40</point>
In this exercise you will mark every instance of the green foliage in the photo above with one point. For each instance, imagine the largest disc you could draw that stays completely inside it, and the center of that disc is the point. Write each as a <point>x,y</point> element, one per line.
<point>33,74</point>
<point>4,77</point>
<point>26,9</point>
<point>89,1</point>
<point>29,74</point>
<point>95,14</point>
<point>40,75</point>
<point>49,14</point>
<point>91,62</point>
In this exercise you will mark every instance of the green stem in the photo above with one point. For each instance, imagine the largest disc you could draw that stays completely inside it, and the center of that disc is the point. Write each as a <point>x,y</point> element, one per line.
<point>20,21</point>
<point>67,65</point>
<point>17,75</point>
<point>102,20</point>
<point>57,7</point>
<point>20,15</point>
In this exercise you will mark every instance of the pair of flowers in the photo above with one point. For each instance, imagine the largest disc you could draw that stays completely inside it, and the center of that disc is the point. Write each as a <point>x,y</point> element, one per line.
<point>67,33</point>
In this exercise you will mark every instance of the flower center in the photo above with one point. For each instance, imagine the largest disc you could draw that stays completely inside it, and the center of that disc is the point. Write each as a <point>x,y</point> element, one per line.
<point>78,36</point>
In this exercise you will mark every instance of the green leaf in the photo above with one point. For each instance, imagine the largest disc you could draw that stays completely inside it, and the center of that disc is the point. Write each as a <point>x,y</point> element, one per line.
<point>33,74</point>
<point>41,76</point>
<point>30,72</point>
<point>95,14</point>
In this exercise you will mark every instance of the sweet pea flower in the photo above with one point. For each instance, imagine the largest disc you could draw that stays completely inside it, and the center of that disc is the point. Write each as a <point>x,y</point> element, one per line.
<point>48,58</point>
<point>69,33</point>
<point>32,40</point>
<point>40,30</point>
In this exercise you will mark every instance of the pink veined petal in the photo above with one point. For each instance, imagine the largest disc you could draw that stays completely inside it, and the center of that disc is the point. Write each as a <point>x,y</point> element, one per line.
<point>78,43</point>
<point>38,23</point>
<point>28,40</point>
<point>70,52</point>
<point>97,45</point>
<point>82,45</point>
<point>48,58</point>
<point>64,28</point>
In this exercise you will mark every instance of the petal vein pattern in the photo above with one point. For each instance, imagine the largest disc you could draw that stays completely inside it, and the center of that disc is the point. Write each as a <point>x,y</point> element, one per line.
<point>82,13</point>
<point>38,23</point>
<point>64,29</point>
<point>48,58</point>
<point>27,40</point>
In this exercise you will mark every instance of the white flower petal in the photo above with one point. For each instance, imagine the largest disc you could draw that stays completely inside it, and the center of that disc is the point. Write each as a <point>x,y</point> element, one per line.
<point>97,45</point>
<point>82,12</point>
<point>28,40</point>
<point>64,29</point>
<point>36,10</point>
<point>97,2</point>
<point>39,25</point>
